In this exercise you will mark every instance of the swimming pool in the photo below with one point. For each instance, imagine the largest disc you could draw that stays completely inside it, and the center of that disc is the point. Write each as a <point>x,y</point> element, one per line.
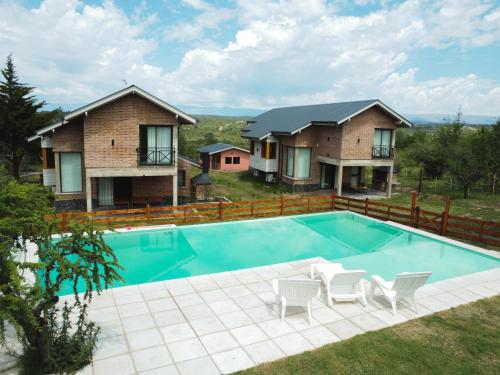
<point>356,241</point>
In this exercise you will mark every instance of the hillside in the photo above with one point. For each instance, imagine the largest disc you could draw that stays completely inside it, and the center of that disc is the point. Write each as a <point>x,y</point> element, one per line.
<point>211,129</point>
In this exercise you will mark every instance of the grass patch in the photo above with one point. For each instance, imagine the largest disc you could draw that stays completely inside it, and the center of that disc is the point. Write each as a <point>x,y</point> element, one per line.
<point>463,340</point>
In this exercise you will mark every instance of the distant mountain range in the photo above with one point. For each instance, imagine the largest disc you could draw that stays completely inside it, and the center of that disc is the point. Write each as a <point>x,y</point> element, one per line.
<point>440,119</point>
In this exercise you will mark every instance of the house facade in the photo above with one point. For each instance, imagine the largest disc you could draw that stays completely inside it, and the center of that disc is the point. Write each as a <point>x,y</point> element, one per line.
<point>326,146</point>
<point>118,150</point>
<point>226,157</point>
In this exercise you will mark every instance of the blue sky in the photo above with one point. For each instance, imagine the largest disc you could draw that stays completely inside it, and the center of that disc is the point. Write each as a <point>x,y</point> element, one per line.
<point>242,57</point>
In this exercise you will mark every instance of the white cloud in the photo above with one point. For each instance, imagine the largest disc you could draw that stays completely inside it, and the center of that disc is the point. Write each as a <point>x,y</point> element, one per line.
<point>284,53</point>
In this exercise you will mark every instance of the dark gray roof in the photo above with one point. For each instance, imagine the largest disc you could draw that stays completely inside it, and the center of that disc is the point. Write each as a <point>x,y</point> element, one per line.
<point>217,147</point>
<point>201,179</point>
<point>289,119</point>
<point>190,161</point>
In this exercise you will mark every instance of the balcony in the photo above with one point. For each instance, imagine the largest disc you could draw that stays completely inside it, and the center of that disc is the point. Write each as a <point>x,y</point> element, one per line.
<point>382,152</point>
<point>156,156</point>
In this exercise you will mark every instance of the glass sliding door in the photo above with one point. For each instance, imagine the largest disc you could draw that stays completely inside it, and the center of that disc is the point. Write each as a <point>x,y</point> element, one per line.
<point>382,143</point>
<point>298,164</point>
<point>156,145</point>
<point>105,191</point>
<point>70,172</point>
<point>327,176</point>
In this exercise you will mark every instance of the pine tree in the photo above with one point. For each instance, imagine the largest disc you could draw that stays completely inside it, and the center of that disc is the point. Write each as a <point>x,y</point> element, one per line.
<point>19,117</point>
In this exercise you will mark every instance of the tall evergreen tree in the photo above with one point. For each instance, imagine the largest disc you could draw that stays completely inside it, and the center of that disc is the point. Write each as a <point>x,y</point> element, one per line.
<point>19,117</point>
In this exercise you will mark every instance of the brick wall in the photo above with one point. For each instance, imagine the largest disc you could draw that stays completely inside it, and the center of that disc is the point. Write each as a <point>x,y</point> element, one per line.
<point>186,190</point>
<point>119,122</point>
<point>363,127</point>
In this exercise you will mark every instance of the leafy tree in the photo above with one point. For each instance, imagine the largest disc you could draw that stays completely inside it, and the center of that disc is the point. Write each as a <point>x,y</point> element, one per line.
<point>56,337</point>
<point>19,117</point>
<point>210,138</point>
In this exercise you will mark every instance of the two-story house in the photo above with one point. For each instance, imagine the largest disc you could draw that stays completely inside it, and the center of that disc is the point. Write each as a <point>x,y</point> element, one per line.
<point>121,149</point>
<point>325,146</point>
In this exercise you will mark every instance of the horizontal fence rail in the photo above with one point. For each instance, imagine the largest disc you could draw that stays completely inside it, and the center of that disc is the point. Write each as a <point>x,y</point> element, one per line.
<point>480,231</point>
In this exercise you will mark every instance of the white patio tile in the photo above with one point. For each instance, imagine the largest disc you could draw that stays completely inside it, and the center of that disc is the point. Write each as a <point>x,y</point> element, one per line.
<point>293,343</point>
<point>237,291</point>
<point>450,299</point>
<point>199,279</point>
<point>165,370</point>
<point>326,315</point>
<point>125,299</point>
<point>104,315</point>
<point>179,290</point>
<point>152,287</point>
<point>368,322</point>
<point>275,328</point>
<point>208,325</point>
<point>388,317</point>
<point>319,336</point>
<point>218,342</point>
<point>159,294</point>
<point>126,290</point>
<point>246,276</point>
<point>466,295</point>
<point>186,349</point>
<point>262,313</point>
<point>427,291</point>
<point>188,299</point>
<point>268,298</point>
<point>348,309</point>
<point>494,285</point>
<point>267,273</point>
<point>225,280</point>
<point>481,290</point>
<point>235,319</point>
<point>177,332</point>
<point>249,301</point>
<point>119,365</point>
<point>161,304</point>
<point>409,313</point>
<point>344,329</point>
<point>88,370</point>
<point>223,306</point>
<point>197,311</point>
<point>433,304</point>
<point>102,301</point>
<point>205,286</point>
<point>265,351</point>
<point>151,358</point>
<point>133,309</point>
<point>176,283</point>
<point>144,339</point>
<point>110,328</point>
<point>260,287</point>
<point>110,347</point>
<point>232,360</point>
<point>165,318</point>
<point>203,365</point>
<point>248,334</point>
<point>137,323</point>
<point>213,295</point>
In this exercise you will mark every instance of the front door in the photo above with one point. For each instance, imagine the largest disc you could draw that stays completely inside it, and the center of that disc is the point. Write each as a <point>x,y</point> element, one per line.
<point>122,190</point>
<point>105,191</point>
<point>327,176</point>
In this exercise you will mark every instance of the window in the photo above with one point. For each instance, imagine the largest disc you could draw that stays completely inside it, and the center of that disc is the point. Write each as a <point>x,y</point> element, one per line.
<point>181,178</point>
<point>156,145</point>
<point>263,150</point>
<point>228,160</point>
<point>382,143</point>
<point>252,147</point>
<point>272,150</point>
<point>298,162</point>
<point>48,158</point>
<point>236,160</point>
<point>71,172</point>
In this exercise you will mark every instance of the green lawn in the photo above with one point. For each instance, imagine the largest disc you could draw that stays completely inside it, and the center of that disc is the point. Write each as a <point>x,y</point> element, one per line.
<point>464,340</point>
<point>242,186</point>
<point>481,205</point>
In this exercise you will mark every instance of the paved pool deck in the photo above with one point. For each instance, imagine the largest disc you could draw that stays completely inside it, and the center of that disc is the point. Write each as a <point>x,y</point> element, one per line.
<point>225,322</point>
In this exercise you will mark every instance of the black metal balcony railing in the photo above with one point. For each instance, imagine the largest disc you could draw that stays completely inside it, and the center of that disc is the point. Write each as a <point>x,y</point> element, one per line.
<point>382,152</point>
<point>156,156</point>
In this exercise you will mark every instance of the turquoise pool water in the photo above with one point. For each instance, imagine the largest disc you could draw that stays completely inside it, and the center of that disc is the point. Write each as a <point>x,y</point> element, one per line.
<point>355,241</point>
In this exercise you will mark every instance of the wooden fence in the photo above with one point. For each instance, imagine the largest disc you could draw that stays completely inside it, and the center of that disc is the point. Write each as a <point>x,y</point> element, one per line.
<point>475,230</point>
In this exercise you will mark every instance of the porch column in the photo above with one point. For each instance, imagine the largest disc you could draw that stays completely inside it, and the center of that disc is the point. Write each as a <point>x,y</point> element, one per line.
<point>389,181</point>
<point>88,190</point>
<point>174,190</point>
<point>338,179</point>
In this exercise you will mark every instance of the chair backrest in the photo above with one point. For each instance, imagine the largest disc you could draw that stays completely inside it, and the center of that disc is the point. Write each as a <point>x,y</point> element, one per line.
<point>346,281</point>
<point>408,282</point>
<point>297,290</point>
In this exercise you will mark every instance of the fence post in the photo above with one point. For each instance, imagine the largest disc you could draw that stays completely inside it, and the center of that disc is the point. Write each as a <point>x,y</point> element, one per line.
<point>281,205</point>
<point>444,217</point>
<point>333,201</point>
<point>185,213</point>
<point>413,206</point>
<point>388,212</point>
<point>417,217</point>
<point>251,209</point>
<point>220,210</point>
<point>308,204</point>
<point>64,222</point>
<point>148,213</point>
<point>366,206</point>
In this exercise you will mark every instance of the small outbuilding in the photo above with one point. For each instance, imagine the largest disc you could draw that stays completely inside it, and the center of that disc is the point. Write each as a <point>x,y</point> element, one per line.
<point>226,157</point>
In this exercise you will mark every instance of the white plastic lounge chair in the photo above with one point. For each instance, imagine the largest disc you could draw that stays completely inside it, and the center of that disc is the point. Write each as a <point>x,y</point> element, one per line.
<point>404,287</point>
<point>341,284</point>
<point>296,292</point>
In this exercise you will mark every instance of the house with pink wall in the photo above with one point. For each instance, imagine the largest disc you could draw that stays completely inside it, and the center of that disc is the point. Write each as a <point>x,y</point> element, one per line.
<point>225,157</point>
